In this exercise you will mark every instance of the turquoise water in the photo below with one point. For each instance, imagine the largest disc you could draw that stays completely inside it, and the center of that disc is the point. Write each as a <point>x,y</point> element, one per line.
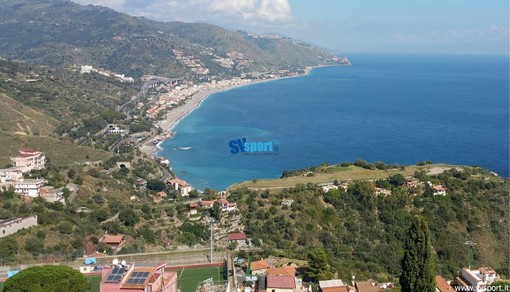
<point>391,108</point>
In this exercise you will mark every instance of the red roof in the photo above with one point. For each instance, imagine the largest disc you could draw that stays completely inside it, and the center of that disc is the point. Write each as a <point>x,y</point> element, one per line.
<point>28,150</point>
<point>236,236</point>
<point>442,285</point>
<point>259,265</point>
<point>111,239</point>
<point>283,271</point>
<point>206,203</point>
<point>282,282</point>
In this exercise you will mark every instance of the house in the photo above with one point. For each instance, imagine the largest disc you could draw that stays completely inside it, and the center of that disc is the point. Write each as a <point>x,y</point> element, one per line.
<point>438,190</point>
<point>328,187</point>
<point>29,187</point>
<point>11,174</point>
<point>442,285</point>
<point>283,271</point>
<point>479,278</point>
<point>115,129</point>
<point>226,206</point>
<point>335,285</point>
<point>259,267</point>
<point>51,194</point>
<point>371,286</point>
<point>113,241</point>
<point>29,159</point>
<point>239,237</point>
<point>181,186</point>
<point>130,278</point>
<point>193,208</point>
<point>412,183</point>
<point>12,225</point>
<point>287,202</point>
<point>280,284</point>
<point>206,204</point>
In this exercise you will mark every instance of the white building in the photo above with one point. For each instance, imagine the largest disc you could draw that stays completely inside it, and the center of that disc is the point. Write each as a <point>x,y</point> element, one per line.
<point>29,159</point>
<point>479,278</point>
<point>29,187</point>
<point>439,190</point>
<point>12,225</point>
<point>181,186</point>
<point>8,175</point>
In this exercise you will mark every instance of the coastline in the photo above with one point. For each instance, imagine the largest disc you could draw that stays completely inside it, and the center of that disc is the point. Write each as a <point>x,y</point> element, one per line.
<point>153,145</point>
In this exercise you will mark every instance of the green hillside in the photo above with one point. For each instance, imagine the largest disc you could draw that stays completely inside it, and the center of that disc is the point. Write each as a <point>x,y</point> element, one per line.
<point>59,152</point>
<point>58,32</point>
<point>362,229</point>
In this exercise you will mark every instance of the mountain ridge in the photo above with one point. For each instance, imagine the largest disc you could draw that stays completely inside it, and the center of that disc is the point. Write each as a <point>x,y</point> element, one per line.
<point>61,32</point>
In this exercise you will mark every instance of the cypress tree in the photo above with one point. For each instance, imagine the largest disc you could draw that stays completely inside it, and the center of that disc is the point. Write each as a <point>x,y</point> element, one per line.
<point>418,268</point>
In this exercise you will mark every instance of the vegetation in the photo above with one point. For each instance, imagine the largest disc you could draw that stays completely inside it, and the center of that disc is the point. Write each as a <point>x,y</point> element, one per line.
<point>363,231</point>
<point>136,46</point>
<point>48,278</point>
<point>418,271</point>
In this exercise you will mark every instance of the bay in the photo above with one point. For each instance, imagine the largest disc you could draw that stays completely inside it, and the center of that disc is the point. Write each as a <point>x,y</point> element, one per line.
<point>385,107</point>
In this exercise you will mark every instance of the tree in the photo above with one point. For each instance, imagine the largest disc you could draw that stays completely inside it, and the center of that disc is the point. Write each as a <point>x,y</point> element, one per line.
<point>156,185</point>
<point>418,268</point>
<point>397,179</point>
<point>318,266</point>
<point>216,211</point>
<point>129,217</point>
<point>48,278</point>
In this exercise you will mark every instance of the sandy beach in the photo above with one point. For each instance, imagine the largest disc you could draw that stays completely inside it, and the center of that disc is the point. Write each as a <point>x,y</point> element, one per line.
<point>175,115</point>
<point>151,146</point>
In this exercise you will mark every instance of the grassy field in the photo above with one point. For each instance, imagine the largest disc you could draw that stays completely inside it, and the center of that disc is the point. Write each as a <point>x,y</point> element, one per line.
<point>59,152</point>
<point>15,117</point>
<point>331,173</point>
<point>188,279</point>
<point>95,283</point>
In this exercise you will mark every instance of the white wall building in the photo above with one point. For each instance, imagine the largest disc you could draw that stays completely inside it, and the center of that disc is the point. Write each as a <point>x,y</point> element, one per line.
<point>8,175</point>
<point>479,278</point>
<point>12,225</point>
<point>29,159</point>
<point>29,187</point>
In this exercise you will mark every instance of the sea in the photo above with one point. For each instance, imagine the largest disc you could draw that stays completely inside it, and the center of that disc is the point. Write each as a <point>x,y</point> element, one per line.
<point>394,108</point>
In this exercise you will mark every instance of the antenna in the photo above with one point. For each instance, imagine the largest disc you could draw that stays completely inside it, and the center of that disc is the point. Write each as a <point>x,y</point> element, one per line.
<point>123,262</point>
<point>470,252</point>
<point>115,262</point>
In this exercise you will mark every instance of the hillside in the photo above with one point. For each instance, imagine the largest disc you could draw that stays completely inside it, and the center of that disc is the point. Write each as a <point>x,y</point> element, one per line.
<point>60,32</point>
<point>15,117</point>
<point>362,223</point>
<point>59,152</point>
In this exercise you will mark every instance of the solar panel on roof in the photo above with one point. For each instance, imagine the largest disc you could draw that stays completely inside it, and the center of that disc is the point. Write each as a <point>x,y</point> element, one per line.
<point>115,275</point>
<point>137,278</point>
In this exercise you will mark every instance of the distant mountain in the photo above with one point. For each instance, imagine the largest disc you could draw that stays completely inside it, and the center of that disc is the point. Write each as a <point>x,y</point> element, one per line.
<point>60,32</point>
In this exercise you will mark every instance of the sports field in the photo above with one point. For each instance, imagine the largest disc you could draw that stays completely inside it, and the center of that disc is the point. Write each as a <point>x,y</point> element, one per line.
<point>188,279</point>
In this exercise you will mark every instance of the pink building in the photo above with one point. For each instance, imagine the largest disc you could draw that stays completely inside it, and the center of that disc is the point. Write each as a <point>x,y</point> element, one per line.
<point>128,278</point>
<point>28,160</point>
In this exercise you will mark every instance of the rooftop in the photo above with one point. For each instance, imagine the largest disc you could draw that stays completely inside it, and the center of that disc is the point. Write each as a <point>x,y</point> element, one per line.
<point>442,285</point>
<point>259,265</point>
<point>236,236</point>
<point>283,282</point>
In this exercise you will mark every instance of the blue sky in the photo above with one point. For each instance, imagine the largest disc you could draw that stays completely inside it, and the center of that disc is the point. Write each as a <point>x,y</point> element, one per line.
<point>411,26</point>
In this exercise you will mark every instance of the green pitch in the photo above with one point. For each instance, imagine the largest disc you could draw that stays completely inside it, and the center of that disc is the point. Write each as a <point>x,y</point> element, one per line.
<point>188,279</point>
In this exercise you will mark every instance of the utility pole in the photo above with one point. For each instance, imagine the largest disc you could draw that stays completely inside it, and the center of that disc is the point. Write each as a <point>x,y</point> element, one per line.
<point>210,256</point>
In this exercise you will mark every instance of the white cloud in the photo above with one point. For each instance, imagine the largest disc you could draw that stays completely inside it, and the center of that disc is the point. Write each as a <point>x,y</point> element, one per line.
<point>241,14</point>
<point>114,4</point>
